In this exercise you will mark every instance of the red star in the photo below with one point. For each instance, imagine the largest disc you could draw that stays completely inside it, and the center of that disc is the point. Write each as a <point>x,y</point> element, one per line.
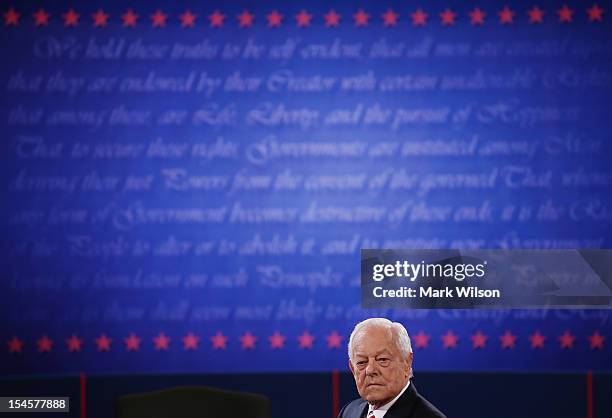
<point>277,340</point>
<point>332,19</point>
<point>159,19</point>
<point>595,13</point>
<point>565,14</point>
<point>41,18</point>
<point>219,341</point>
<point>132,342</point>
<point>535,15</point>
<point>479,340</point>
<point>71,18</point>
<point>390,18</point>
<point>245,19</point>
<point>448,17</point>
<point>103,343</point>
<point>303,19</point>
<point>334,340</point>
<point>596,340</point>
<point>74,343</point>
<point>506,16</point>
<point>537,340</point>
<point>100,18</point>
<point>216,19</point>
<point>449,340</point>
<point>190,341</point>
<point>129,18</point>
<point>421,340</point>
<point>248,341</point>
<point>419,18</point>
<point>477,16</point>
<point>187,19</point>
<point>162,342</point>
<point>44,344</point>
<point>274,19</point>
<point>15,345</point>
<point>566,340</point>
<point>11,17</point>
<point>305,340</point>
<point>507,340</point>
<point>361,18</point>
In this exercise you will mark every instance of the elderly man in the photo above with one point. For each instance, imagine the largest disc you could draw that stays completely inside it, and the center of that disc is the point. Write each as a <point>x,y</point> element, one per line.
<point>380,357</point>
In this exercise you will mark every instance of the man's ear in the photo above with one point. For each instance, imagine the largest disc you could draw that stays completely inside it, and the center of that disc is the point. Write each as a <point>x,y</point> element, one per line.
<point>351,366</point>
<point>408,365</point>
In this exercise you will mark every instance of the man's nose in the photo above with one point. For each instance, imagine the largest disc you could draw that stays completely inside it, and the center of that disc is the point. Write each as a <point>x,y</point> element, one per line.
<point>371,368</point>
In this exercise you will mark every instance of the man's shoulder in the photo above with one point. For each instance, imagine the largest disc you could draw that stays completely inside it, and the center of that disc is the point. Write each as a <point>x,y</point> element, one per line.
<point>353,409</point>
<point>411,402</point>
<point>422,408</point>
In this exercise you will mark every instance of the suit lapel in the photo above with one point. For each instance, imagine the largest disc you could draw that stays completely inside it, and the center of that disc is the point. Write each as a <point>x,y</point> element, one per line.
<point>404,406</point>
<point>364,411</point>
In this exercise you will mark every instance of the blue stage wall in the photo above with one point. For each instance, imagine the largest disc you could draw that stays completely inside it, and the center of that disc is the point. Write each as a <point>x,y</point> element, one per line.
<point>186,185</point>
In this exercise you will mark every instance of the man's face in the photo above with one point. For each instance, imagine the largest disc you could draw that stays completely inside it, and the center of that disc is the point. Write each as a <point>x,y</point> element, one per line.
<point>377,365</point>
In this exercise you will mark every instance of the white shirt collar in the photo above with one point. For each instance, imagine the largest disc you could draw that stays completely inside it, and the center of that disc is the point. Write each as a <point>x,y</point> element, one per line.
<point>380,412</point>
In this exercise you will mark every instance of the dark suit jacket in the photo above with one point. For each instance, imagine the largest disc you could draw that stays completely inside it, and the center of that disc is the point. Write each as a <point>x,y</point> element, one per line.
<point>409,405</point>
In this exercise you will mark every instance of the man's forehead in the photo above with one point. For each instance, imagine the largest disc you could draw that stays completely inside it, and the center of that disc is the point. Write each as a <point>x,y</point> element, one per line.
<point>374,341</point>
<point>372,334</point>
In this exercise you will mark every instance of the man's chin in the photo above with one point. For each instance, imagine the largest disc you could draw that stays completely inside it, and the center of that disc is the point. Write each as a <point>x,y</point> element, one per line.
<point>374,393</point>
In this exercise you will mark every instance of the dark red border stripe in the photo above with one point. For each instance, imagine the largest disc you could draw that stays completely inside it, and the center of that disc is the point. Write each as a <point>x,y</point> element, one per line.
<point>589,394</point>
<point>82,380</point>
<point>335,393</point>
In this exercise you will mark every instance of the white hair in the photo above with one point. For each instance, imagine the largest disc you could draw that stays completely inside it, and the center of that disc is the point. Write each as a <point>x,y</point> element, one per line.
<point>400,335</point>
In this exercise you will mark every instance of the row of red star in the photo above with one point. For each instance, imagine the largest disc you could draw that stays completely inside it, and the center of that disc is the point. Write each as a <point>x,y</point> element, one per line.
<point>508,340</point>
<point>304,19</point>
<point>277,341</point>
<point>191,341</point>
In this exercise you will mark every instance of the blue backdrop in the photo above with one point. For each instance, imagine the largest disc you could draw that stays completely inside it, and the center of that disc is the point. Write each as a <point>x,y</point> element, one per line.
<point>187,185</point>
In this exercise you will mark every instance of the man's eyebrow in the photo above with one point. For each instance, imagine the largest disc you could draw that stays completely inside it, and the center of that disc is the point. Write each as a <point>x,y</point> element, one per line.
<point>378,353</point>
